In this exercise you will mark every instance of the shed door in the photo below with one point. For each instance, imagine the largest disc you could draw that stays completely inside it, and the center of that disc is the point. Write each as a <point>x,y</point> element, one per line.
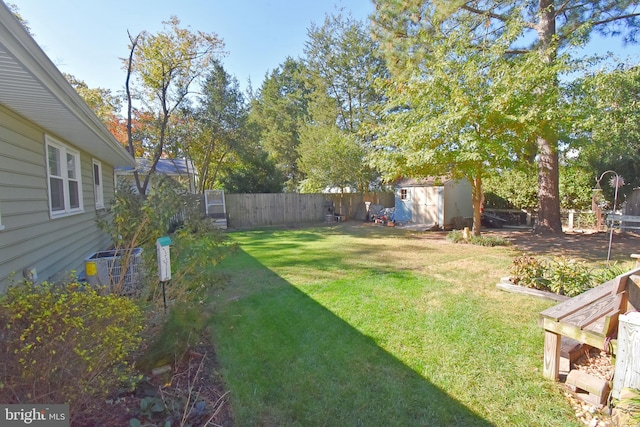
<point>426,205</point>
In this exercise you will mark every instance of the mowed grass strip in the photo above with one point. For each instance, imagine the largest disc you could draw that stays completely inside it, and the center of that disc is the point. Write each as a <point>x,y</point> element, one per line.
<point>359,325</point>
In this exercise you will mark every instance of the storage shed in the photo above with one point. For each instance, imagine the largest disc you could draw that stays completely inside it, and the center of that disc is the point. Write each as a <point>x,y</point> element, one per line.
<point>432,201</point>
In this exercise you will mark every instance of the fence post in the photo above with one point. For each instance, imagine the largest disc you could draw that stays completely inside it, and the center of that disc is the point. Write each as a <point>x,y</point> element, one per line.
<point>570,221</point>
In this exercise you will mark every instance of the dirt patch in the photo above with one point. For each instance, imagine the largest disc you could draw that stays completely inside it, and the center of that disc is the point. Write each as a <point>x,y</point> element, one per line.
<point>587,246</point>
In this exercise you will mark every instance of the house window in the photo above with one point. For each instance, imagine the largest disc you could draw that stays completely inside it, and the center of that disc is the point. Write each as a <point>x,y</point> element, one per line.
<point>1,226</point>
<point>97,184</point>
<point>63,173</point>
<point>405,194</point>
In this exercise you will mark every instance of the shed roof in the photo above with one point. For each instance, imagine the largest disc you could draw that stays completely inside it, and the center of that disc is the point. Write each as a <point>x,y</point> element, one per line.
<point>422,182</point>
<point>32,86</point>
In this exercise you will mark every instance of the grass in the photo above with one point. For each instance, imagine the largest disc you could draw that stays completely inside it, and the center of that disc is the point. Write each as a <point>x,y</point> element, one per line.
<point>365,326</point>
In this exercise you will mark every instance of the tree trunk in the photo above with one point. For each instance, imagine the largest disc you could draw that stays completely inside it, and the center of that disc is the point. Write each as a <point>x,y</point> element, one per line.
<point>549,220</point>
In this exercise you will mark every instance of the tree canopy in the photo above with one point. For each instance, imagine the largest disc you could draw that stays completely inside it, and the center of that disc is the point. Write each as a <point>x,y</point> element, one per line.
<point>538,30</point>
<point>163,68</point>
<point>280,110</point>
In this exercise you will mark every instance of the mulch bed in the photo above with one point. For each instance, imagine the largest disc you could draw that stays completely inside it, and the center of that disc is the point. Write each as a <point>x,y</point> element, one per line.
<point>190,382</point>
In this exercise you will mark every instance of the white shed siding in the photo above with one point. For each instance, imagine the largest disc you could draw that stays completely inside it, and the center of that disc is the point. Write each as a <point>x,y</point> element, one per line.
<point>457,200</point>
<point>30,237</point>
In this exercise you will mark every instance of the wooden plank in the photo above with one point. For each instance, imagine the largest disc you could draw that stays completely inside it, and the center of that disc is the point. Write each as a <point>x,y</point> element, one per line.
<point>633,294</point>
<point>551,368</point>
<point>613,286</point>
<point>594,311</point>
<point>530,291</point>
<point>577,303</point>
<point>617,217</point>
<point>588,383</point>
<point>572,331</point>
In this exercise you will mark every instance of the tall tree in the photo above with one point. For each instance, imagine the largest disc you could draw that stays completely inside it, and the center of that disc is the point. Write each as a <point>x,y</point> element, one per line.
<point>344,63</point>
<point>164,67</point>
<point>280,109</point>
<point>546,27</point>
<point>220,120</point>
<point>327,157</point>
<point>251,169</point>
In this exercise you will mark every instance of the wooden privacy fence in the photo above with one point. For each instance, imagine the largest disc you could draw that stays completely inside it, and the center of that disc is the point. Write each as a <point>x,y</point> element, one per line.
<point>352,205</point>
<point>273,209</point>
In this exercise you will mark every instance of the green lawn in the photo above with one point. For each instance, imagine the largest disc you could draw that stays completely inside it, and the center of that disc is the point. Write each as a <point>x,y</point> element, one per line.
<point>354,325</point>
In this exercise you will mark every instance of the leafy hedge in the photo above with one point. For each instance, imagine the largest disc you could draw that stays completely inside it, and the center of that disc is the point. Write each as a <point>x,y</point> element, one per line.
<point>65,344</point>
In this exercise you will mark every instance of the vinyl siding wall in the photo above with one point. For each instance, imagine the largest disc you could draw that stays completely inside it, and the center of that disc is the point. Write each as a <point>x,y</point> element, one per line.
<point>30,238</point>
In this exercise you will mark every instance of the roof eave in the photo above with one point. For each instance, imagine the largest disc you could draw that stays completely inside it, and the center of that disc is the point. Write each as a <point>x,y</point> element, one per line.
<point>32,86</point>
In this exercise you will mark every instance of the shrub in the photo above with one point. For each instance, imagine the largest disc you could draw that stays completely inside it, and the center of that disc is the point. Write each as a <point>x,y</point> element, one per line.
<point>569,277</point>
<point>457,236</point>
<point>561,275</point>
<point>528,271</point>
<point>65,344</point>
<point>489,241</point>
<point>608,273</point>
<point>138,221</point>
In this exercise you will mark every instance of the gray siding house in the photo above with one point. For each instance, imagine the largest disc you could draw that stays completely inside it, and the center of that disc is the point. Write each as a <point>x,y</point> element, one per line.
<point>56,164</point>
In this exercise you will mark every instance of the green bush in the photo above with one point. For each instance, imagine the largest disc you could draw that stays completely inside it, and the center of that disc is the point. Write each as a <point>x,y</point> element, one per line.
<point>529,271</point>
<point>561,275</point>
<point>457,236</point>
<point>569,277</point>
<point>65,344</point>
<point>197,246</point>
<point>489,241</point>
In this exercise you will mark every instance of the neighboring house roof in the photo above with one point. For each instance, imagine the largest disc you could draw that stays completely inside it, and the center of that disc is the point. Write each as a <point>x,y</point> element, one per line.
<point>178,167</point>
<point>32,86</point>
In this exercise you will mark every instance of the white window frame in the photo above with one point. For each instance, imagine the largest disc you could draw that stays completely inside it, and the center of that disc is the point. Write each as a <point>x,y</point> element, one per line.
<point>405,194</point>
<point>98,187</point>
<point>65,152</point>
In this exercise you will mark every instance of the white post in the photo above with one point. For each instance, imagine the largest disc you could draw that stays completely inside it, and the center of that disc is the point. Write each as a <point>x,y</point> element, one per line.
<point>570,225</point>
<point>627,370</point>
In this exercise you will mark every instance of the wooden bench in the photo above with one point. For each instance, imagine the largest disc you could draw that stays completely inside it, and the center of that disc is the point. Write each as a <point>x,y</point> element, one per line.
<point>590,318</point>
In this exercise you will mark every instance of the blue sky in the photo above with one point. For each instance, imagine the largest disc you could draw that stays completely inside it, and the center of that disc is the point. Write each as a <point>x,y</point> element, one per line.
<point>86,38</point>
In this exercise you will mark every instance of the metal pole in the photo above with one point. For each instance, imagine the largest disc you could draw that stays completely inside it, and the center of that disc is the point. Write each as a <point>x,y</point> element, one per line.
<point>615,202</point>
<point>164,297</point>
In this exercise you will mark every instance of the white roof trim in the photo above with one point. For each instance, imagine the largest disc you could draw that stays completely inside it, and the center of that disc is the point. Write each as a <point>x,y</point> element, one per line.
<point>32,86</point>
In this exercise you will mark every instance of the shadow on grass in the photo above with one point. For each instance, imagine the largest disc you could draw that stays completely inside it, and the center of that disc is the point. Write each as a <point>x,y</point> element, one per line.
<point>287,360</point>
